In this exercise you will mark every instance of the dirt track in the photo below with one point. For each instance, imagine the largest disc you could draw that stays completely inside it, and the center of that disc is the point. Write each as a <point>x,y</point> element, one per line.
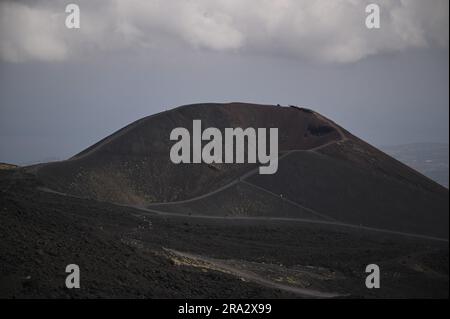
<point>249,276</point>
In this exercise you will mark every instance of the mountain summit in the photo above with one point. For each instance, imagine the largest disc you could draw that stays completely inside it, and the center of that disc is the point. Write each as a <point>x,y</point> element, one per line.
<point>324,173</point>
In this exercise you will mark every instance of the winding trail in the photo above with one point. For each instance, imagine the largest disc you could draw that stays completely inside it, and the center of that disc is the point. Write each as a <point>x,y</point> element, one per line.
<point>342,135</point>
<point>152,211</point>
<point>222,188</point>
<point>297,220</point>
<point>220,265</point>
<point>310,210</point>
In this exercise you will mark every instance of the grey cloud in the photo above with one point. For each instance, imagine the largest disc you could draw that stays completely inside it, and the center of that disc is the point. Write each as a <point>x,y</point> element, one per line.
<point>326,31</point>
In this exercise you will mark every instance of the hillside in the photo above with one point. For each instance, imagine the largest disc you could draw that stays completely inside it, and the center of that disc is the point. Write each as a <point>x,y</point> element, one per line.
<point>141,227</point>
<point>324,172</point>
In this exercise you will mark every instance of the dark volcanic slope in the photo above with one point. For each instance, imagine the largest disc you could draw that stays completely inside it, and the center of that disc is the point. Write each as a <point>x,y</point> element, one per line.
<point>358,196</point>
<point>122,253</point>
<point>324,173</point>
<point>200,229</point>
<point>133,166</point>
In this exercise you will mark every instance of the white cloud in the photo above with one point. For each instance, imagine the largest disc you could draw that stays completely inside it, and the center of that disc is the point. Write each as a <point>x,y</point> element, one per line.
<point>29,33</point>
<point>323,30</point>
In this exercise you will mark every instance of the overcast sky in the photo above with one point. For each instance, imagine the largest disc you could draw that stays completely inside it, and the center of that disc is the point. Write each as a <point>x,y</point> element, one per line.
<point>63,89</point>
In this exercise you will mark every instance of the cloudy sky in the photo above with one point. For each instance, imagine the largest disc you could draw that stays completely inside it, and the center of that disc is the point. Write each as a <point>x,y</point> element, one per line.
<point>63,89</point>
